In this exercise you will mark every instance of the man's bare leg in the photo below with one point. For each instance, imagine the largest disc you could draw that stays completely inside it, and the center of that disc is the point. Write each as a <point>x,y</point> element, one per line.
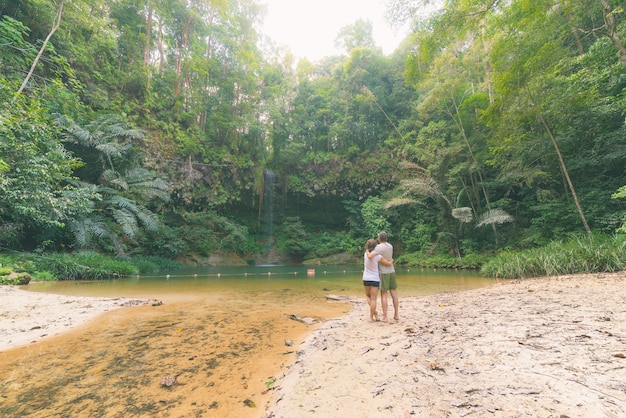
<point>396,307</point>
<point>383,302</point>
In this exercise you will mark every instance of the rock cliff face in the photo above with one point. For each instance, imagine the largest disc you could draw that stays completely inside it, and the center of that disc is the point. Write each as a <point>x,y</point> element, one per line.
<point>273,257</point>
<point>214,260</point>
<point>231,259</point>
<point>335,259</point>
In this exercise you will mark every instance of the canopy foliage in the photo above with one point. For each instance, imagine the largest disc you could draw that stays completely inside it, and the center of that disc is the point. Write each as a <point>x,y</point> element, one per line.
<point>495,124</point>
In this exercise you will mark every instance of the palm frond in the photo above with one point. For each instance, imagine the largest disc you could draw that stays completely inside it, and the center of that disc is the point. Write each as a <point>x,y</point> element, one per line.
<point>84,229</point>
<point>112,149</point>
<point>148,220</point>
<point>424,186</point>
<point>147,184</point>
<point>399,201</point>
<point>126,220</point>
<point>106,191</point>
<point>494,216</point>
<point>160,184</point>
<point>135,133</point>
<point>119,183</point>
<point>463,214</point>
<point>108,175</point>
<point>122,203</point>
<point>154,193</point>
<point>79,136</point>
<point>139,175</point>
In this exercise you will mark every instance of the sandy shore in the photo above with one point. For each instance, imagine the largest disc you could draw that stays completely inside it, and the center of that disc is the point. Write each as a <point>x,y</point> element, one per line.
<point>27,317</point>
<point>544,347</point>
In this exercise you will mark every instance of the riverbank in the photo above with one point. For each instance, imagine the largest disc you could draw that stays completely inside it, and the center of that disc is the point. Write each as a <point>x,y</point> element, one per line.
<point>549,347</point>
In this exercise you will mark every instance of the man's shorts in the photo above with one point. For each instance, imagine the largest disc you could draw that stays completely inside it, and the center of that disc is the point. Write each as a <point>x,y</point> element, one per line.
<point>371,283</point>
<point>388,281</point>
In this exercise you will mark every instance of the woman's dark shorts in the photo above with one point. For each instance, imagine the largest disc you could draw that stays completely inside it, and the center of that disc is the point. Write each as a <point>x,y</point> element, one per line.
<point>371,283</point>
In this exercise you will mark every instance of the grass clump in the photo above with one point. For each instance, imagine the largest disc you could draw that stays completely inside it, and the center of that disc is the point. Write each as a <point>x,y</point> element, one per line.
<point>86,265</point>
<point>83,265</point>
<point>469,261</point>
<point>588,253</point>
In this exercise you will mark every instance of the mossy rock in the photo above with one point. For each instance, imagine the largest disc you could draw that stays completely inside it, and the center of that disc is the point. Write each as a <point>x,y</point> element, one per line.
<point>15,278</point>
<point>334,259</point>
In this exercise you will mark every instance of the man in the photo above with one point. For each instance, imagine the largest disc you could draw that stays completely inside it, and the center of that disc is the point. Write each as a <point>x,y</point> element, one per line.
<point>387,276</point>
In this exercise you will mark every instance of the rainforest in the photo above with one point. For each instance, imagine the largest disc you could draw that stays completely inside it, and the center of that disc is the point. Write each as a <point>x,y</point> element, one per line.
<point>174,131</point>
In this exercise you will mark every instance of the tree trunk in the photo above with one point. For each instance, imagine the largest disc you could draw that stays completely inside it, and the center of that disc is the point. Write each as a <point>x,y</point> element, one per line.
<point>488,68</point>
<point>160,47</point>
<point>611,29</point>
<point>147,45</point>
<point>181,53</point>
<point>146,48</point>
<point>561,163</point>
<point>55,26</point>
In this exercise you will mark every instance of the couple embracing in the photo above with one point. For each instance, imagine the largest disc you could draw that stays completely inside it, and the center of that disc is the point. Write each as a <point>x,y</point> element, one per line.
<point>378,272</point>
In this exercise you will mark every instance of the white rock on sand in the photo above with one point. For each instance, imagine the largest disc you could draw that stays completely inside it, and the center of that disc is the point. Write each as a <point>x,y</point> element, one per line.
<point>544,347</point>
<point>26,317</point>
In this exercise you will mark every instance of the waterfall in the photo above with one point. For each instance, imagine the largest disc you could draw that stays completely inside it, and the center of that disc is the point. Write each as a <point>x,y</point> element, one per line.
<point>266,218</point>
<point>268,202</point>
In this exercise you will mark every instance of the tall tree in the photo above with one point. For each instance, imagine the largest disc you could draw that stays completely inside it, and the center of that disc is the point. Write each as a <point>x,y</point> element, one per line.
<point>526,75</point>
<point>360,34</point>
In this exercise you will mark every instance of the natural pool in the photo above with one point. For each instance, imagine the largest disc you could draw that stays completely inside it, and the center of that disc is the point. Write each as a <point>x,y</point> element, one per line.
<point>222,331</point>
<point>296,280</point>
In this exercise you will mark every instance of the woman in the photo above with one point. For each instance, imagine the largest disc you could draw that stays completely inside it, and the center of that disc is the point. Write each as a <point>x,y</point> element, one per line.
<point>371,276</point>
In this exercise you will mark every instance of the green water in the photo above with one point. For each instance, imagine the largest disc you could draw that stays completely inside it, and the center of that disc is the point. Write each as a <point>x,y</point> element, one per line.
<point>340,280</point>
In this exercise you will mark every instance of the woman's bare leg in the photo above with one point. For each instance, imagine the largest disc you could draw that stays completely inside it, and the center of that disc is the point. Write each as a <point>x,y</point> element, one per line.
<point>368,296</point>
<point>373,311</point>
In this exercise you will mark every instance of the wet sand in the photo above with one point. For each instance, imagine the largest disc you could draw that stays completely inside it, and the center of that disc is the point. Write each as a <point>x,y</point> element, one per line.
<point>225,354</point>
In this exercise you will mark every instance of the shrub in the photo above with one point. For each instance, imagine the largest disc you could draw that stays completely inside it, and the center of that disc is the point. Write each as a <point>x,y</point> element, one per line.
<point>293,238</point>
<point>329,243</point>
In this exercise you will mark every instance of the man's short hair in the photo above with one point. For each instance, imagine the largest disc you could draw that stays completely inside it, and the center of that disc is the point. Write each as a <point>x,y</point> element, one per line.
<point>382,236</point>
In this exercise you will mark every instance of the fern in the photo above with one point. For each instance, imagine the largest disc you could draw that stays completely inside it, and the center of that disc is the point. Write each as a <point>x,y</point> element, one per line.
<point>119,200</point>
